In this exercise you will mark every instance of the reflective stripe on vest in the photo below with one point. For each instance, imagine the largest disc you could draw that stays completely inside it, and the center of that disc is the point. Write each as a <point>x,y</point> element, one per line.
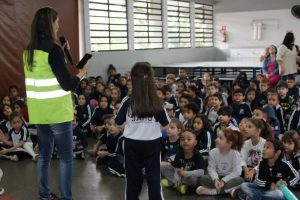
<point>46,95</point>
<point>47,102</point>
<point>40,83</point>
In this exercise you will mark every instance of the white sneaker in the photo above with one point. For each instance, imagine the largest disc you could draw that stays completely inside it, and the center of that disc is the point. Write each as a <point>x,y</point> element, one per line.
<point>206,191</point>
<point>14,158</point>
<point>234,192</point>
<point>2,191</point>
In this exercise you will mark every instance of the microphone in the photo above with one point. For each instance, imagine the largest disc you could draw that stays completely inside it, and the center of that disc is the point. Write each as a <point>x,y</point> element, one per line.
<point>62,40</point>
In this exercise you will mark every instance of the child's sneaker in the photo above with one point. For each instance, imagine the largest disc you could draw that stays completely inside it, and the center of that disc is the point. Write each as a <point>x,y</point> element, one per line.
<point>234,192</point>
<point>205,191</point>
<point>181,188</point>
<point>2,191</point>
<point>14,158</point>
<point>164,182</point>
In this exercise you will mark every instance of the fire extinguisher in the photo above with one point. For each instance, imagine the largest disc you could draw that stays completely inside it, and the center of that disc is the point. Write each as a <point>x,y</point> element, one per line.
<point>223,32</point>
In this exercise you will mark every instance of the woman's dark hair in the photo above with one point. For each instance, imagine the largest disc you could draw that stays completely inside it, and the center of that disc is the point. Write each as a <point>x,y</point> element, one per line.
<point>143,100</point>
<point>205,121</point>
<point>41,27</point>
<point>235,137</point>
<point>288,40</point>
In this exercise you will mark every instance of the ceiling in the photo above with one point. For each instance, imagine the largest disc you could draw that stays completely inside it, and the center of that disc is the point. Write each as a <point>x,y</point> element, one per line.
<point>222,6</point>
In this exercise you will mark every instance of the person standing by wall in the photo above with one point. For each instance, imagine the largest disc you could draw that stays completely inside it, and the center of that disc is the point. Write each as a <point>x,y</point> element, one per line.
<point>287,56</point>
<point>48,85</point>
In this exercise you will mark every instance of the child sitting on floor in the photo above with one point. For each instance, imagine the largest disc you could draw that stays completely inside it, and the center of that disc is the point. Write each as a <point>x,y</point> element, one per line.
<point>224,165</point>
<point>19,143</point>
<point>187,167</point>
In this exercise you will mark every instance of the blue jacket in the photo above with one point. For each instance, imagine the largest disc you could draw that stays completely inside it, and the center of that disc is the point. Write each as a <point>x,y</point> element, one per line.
<point>266,65</point>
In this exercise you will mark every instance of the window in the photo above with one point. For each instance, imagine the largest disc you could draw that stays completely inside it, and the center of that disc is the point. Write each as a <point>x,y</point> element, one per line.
<point>148,24</point>
<point>108,25</point>
<point>203,25</point>
<point>179,28</point>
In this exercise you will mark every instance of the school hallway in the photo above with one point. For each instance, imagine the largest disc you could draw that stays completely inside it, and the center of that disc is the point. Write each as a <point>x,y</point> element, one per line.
<point>90,183</point>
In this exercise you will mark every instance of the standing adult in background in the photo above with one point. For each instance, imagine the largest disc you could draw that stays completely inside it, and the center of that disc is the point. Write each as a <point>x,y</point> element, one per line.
<point>270,67</point>
<point>48,85</point>
<point>287,56</point>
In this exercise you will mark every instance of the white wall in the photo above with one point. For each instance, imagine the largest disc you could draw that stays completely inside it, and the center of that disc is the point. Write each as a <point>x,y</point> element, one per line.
<point>240,31</point>
<point>124,60</point>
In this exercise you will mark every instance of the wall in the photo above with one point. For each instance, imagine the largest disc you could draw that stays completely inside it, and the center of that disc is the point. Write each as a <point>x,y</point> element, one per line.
<point>222,6</point>
<point>240,31</point>
<point>124,60</point>
<point>15,21</point>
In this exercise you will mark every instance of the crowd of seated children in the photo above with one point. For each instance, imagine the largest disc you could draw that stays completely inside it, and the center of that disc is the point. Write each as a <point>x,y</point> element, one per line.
<point>253,110</point>
<point>271,170</point>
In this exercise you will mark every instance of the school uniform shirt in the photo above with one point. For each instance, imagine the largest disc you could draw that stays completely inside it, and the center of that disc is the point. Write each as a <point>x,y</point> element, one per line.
<point>205,142</point>
<point>112,143</point>
<point>261,98</point>
<point>294,122</point>
<point>279,115</point>
<point>212,115</point>
<point>15,137</point>
<point>5,126</point>
<point>98,114</point>
<point>141,129</point>
<point>241,111</point>
<point>199,103</point>
<point>232,125</point>
<point>295,161</point>
<point>179,115</point>
<point>228,166</point>
<point>193,166</point>
<point>173,101</point>
<point>252,154</point>
<point>294,93</point>
<point>266,175</point>
<point>84,115</point>
<point>169,149</point>
<point>286,104</point>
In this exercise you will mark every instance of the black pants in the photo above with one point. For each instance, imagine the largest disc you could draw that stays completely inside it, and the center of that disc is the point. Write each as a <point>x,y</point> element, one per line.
<point>138,155</point>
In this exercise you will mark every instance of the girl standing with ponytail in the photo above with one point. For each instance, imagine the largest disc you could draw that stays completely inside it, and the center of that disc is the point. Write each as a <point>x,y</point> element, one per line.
<point>143,114</point>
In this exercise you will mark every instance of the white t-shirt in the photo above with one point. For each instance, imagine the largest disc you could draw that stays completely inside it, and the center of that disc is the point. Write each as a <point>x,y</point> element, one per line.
<point>141,128</point>
<point>251,155</point>
<point>288,58</point>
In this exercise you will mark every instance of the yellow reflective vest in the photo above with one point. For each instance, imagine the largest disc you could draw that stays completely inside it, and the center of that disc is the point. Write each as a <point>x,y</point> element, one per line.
<point>47,102</point>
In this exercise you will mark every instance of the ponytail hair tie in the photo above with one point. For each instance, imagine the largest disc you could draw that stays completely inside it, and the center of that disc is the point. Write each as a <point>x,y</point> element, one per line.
<point>145,76</point>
